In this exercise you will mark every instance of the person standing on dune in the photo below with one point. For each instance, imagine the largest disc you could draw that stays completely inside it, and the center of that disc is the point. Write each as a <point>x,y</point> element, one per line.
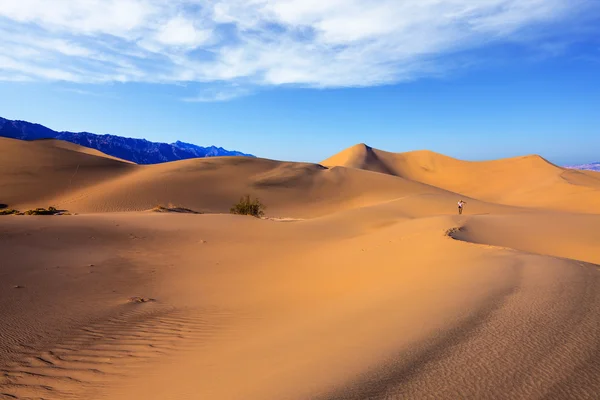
<point>460,206</point>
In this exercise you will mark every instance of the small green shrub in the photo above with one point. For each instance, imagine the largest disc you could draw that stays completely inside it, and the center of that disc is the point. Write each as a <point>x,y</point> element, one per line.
<point>249,207</point>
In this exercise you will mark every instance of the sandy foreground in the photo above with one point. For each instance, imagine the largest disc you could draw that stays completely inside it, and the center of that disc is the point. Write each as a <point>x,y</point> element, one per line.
<point>370,286</point>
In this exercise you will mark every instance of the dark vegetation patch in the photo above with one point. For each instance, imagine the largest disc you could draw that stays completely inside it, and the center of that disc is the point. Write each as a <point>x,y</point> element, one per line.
<point>246,206</point>
<point>174,209</point>
<point>46,211</point>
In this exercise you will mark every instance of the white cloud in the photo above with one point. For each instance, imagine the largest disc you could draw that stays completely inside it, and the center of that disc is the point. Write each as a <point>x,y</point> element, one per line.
<point>180,31</point>
<point>311,43</point>
<point>116,17</point>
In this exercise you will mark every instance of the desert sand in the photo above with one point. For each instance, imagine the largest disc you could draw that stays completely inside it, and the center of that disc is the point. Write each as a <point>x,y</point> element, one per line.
<point>361,282</point>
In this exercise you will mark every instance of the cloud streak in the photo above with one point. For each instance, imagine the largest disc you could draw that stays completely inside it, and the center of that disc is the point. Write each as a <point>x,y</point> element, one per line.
<point>307,43</point>
<point>215,94</point>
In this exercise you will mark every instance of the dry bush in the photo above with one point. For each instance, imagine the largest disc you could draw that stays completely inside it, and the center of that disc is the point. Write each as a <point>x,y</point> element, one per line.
<point>43,211</point>
<point>249,207</point>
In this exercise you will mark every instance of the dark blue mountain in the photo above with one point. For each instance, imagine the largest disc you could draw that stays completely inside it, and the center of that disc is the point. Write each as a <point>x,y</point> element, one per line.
<point>595,166</point>
<point>140,151</point>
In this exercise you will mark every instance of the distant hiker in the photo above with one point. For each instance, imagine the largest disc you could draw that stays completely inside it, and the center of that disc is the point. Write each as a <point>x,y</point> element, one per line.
<point>460,206</point>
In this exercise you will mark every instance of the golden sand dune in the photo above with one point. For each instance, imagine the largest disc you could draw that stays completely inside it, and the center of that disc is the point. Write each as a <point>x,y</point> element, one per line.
<point>529,181</point>
<point>33,173</point>
<point>381,292</point>
<point>81,182</point>
<point>77,148</point>
<point>85,180</point>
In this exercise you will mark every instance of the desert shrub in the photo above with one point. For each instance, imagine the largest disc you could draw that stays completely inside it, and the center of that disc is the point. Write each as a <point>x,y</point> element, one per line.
<point>8,211</point>
<point>249,207</point>
<point>3,206</point>
<point>42,211</point>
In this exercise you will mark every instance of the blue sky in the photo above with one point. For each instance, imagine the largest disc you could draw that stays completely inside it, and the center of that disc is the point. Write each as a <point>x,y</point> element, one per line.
<point>303,79</point>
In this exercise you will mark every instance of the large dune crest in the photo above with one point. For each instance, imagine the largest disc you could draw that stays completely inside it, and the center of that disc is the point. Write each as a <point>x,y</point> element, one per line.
<point>529,181</point>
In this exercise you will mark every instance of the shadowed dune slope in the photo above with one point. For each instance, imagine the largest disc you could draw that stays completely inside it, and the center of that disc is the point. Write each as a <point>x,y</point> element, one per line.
<point>35,172</point>
<point>529,181</point>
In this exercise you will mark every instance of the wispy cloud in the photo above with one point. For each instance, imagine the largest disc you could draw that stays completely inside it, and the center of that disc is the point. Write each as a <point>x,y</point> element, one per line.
<point>308,43</point>
<point>84,92</point>
<point>215,94</point>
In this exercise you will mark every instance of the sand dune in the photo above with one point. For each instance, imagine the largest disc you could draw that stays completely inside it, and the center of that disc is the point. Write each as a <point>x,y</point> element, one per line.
<point>564,235</point>
<point>77,148</point>
<point>378,290</point>
<point>529,181</point>
<point>254,309</point>
<point>33,173</point>
<point>85,181</point>
<point>82,183</point>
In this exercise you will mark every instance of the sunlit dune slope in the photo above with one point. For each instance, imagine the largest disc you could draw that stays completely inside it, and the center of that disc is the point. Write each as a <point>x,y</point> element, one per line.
<point>574,236</point>
<point>78,148</point>
<point>528,181</point>
<point>361,304</point>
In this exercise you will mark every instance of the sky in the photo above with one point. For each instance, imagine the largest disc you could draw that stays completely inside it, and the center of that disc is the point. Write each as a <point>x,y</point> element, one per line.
<point>301,80</point>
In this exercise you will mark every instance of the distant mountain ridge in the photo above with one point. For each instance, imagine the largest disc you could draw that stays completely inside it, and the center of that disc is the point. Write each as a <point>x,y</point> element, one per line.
<point>139,151</point>
<point>595,166</point>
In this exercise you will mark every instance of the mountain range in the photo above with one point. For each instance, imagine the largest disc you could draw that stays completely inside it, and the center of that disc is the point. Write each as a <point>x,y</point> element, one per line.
<point>588,167</point>
<point>139,151</point>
